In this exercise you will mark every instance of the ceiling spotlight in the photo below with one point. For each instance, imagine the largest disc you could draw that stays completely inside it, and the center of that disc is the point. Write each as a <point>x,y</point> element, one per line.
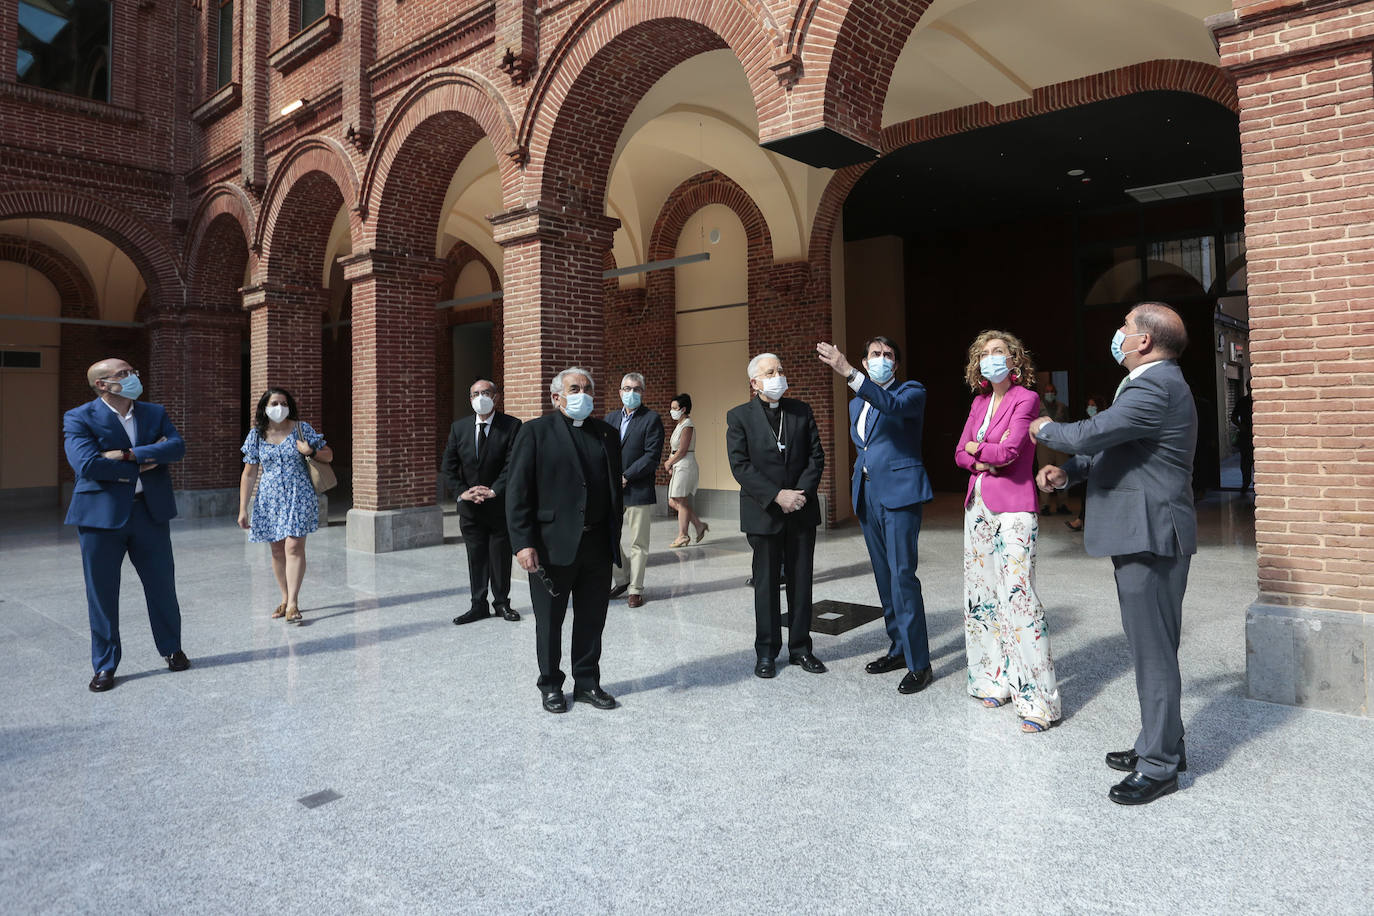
<point>1074,173</point>
<point>293,107</point>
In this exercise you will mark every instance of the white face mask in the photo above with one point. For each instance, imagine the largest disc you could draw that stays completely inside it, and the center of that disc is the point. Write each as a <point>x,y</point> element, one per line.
<point>774,386</point>
<point>675,414</point>
<point>482,405</point>
<point>578,406</point>
<point>277,412</point>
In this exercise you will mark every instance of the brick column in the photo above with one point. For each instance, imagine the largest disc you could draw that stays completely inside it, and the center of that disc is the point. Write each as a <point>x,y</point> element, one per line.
<point>285,329</point>
<point>1305,140</point>
<point>194,370</point>
<point>395,468</point>
<point>554,300</point>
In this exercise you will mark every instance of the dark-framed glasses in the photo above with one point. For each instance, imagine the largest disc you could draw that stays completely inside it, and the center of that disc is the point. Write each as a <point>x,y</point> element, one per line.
<point>548,583</point>
<point>120,376</point>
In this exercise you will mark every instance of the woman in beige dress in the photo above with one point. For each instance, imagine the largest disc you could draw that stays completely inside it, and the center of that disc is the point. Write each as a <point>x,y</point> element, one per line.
<point>682,466</point>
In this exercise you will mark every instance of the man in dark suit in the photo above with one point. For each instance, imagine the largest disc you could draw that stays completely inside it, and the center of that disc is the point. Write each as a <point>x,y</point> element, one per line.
<point>121,504</point>
<point>563,509</point>
<point>475,466</point>
<point>776,455</point>
<point>1137,457</point>
<point>641,445</point>
<point>890,488</point>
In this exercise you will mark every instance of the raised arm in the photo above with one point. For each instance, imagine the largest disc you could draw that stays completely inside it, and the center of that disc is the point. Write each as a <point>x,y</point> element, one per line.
<point>1136,414</point>
<point>905,400</point>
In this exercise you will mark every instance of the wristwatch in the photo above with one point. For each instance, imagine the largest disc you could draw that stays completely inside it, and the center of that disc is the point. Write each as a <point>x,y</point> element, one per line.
<point>853,373</point>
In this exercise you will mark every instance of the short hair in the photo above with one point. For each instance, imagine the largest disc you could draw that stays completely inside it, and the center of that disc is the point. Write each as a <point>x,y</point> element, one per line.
<point>885,341</point>
<point>1163,324</point>
<point>1023,369</point>
<point>556,386</point>
<point>496,386</point>
<point>684,401</point>
<point>634,376</point>
<point>754,363</point>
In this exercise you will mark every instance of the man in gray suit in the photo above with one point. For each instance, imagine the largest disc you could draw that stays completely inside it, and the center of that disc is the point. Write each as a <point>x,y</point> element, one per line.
<point>1138,460</point>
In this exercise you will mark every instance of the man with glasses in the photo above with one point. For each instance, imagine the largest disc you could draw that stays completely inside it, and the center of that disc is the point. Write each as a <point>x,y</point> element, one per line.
<point>563,511</point>
<point>121,504</point>
<point>475,466</point>
<point>641,446</point>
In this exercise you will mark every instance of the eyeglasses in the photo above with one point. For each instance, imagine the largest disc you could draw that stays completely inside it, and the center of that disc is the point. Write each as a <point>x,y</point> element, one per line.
<point>119,376</point>
<point>629,388</point>
<point>548,583</point>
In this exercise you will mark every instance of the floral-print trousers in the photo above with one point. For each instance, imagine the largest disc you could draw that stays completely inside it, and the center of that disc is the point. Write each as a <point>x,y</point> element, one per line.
<point>1004,621</point>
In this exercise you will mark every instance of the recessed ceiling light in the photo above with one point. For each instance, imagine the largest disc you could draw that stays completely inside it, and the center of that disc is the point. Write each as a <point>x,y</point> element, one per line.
<point>1074,173</point>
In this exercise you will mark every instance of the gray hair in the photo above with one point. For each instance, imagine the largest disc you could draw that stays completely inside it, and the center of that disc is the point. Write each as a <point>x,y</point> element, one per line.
<point>556,386</point>
<point>754,363</point>
<point>634,377</point>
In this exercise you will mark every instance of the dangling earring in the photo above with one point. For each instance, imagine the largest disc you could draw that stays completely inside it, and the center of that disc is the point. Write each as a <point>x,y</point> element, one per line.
<point>1016,375</point>
<point>984,384</point>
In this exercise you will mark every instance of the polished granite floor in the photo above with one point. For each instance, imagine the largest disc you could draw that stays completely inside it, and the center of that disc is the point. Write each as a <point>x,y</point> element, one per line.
<point>453,792</point>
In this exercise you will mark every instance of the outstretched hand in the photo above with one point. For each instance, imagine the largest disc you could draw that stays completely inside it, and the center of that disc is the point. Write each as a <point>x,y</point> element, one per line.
<point>830,354</point>
<point>1051,478</point>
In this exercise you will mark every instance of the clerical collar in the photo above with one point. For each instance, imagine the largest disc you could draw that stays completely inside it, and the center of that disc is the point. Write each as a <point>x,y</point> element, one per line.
<point>568,419</point>
<point>773,405</point>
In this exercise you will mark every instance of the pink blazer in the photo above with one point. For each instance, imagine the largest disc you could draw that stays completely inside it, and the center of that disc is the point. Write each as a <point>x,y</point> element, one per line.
<point>1011,488</point>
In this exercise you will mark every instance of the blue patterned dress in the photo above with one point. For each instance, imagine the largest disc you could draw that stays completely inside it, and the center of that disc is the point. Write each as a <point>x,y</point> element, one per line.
<point>286,505</point>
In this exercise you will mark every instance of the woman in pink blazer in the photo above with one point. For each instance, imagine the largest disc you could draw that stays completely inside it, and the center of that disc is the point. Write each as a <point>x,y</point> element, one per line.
<point>1004,622</point>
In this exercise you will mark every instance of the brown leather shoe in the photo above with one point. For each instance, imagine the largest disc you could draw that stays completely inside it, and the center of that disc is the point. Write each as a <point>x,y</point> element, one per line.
<point>635,601</point>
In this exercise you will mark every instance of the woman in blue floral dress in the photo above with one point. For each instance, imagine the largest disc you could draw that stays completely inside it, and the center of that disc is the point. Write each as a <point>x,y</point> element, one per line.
<point>286,508</point>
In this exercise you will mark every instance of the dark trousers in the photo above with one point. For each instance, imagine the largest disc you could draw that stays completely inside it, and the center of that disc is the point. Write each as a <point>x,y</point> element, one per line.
<point>148,545</point>
<point>793,551</point>
<point>489,560</point>
<point>588,582</point>
<point>1150,588</point>
<point>891,536</point>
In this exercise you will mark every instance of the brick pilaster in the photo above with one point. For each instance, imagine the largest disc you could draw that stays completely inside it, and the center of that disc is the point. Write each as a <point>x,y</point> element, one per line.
<point>285,332</point>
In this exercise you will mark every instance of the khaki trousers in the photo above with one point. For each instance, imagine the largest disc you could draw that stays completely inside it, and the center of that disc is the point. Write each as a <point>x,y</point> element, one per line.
<point>634,549</point>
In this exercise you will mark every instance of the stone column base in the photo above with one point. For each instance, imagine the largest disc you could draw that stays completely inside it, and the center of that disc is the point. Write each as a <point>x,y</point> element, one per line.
<point>1313,658</point>
<point>394,529</point>
<point>207,503</point>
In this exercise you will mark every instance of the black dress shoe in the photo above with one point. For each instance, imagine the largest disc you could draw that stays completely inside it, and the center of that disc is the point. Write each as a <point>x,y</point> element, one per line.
<point>885,664</point>
<point>178,661</point>
<point>1125,761</point>
<point>595,696</point>
<point>102,681</point>
<point>508,613</point>
<point>620,590</point>
<point>1139,789</point>
<point>555,701</point>
<point>916,681</point>
<point>807,662</point>
<point>766,667</point>
<point>477,613</point>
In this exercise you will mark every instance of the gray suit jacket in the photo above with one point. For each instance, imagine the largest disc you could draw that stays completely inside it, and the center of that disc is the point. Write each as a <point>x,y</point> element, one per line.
<point>1137,457</point>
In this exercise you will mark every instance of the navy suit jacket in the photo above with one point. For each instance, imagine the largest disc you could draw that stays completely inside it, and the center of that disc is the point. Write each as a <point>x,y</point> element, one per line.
<point>892,449</point>
<point>640,452</point>
<point>104,492</point>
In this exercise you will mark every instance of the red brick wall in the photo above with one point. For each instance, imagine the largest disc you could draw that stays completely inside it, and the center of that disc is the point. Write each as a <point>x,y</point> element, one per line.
<point>1306,95</point>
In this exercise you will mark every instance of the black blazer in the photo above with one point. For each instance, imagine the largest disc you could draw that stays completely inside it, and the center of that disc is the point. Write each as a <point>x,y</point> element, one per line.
<point>546,493</point>
<point>640,452</point>
<point>462,470</point>
<point>762,470</point>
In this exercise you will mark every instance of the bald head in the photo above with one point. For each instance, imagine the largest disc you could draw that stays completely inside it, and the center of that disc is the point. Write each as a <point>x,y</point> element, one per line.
<point>1168,337</point>
<point>107,367</point>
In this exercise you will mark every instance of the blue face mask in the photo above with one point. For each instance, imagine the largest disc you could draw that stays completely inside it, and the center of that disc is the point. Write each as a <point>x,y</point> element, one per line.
<point>1117,340</point>
<point>631,399</point>
<point>1092,411</point>
<point>880,369</point>
<point>130,387</point>
<point>578,406</point>
<point>1049,397</point>
<point>994,368</point>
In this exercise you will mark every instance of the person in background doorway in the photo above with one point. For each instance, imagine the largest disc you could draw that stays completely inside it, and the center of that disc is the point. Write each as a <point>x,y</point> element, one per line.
<point>1095,404</point>
<point>286,508</point>
<point>684,475</point>
<point>1052,407</point>
<point>1243,418</point>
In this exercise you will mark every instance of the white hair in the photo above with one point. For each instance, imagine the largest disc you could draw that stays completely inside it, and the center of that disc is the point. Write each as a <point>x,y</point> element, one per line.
<point>556,386</point>
<point>754,363</point>
<point>634,377</point>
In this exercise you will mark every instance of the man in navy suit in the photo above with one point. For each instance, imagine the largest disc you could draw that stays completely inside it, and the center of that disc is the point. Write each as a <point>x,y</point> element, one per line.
<point>889,491</point>
<point>641,445</point>
<point>122,504</point>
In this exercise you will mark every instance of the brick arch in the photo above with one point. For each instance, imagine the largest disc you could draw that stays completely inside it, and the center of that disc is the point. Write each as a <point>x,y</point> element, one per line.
<point>154,260</point>
<point>310,167</point>
<point>412,185</point>
<point>221,200</point>
<point>75,294</point>
<point>846,51</point>
<point>460,90</point>
<point>604,65</point>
